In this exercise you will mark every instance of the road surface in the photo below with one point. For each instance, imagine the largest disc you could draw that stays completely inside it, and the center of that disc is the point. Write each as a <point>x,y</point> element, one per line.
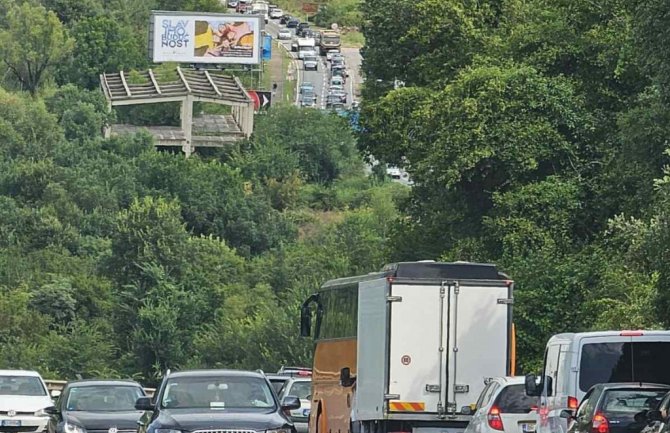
<point>321,78</point>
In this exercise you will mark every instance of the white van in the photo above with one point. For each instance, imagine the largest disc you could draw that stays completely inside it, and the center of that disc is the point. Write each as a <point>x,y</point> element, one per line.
<point>573,363</point>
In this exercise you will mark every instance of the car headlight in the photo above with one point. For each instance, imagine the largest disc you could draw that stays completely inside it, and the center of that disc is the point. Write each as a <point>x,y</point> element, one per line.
<point>279,430</point>
<point>73,428</point>
<point>41,412</point>
<point>167,430</point>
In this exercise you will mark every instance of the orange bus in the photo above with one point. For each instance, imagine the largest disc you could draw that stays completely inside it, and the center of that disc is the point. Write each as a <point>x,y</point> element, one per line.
<point>407,348</point>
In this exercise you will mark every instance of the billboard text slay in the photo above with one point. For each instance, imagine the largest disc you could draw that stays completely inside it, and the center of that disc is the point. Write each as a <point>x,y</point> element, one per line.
<point>213,38</point>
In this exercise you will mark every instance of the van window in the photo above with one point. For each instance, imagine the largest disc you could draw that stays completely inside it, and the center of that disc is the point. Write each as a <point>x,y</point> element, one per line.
<point>624,362</point>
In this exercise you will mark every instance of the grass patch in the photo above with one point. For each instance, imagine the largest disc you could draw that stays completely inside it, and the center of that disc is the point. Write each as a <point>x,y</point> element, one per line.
<point>288,96</point>
<point>353,39</point>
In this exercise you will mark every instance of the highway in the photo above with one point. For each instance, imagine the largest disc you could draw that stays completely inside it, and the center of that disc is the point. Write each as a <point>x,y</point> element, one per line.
<point>321,78</point>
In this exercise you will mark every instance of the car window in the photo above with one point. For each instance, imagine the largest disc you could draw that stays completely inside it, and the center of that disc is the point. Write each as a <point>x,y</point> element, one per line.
<point>302,390</point>
<point>102,398</point>
<point>217,392</point>
<point>513,399</point>
<point>21,385</point>
<point>624,362</point>
<point>480,401</point>
<point>586,407</point>
<point>630,401</point>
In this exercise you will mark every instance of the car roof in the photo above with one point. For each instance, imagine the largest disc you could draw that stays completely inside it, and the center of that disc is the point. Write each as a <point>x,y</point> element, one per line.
<point>103,382</point>
<point>26,373</point>
<point>631,385</point>
<point>222,372</point>
<point>504,380</point>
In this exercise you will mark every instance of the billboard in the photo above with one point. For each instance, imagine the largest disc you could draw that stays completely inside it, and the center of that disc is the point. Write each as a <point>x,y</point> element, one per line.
<point>186,37</point>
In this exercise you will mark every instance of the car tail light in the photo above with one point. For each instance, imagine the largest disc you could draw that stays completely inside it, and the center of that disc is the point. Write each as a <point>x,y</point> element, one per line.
<point>495,422</point>
<point>573,403</point>
<point>600,424</point>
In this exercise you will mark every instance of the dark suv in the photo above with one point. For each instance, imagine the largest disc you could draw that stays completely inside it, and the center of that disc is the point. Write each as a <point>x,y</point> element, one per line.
<point>216,401</point>
<point>96,406</point>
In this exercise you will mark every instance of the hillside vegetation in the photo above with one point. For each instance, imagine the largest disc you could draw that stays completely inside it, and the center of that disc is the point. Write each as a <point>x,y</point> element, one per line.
<point>536,133</point>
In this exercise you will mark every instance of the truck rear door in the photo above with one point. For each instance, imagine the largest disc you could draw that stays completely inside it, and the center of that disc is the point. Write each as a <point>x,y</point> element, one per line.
<point>417,347</point>
<point>480,319</point>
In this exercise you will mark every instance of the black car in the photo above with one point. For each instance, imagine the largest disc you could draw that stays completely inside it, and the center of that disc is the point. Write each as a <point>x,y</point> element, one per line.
<point>301,28</point>
<point>292,23</point>
<point>215,400</point>
<point>616,408</point>
<point>96,406</point>
<point>284,19</point>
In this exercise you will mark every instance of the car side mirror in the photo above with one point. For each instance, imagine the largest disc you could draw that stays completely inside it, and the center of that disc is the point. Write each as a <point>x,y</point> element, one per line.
<point>290,402</point>
<point>566,414</point>
<point>345,377</point>
<point>654,415</point>
<point>144,403</point>
<point>532,388</point>
<point>52,410</point>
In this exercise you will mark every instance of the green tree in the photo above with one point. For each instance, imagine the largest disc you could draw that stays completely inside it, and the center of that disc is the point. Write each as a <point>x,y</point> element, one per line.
<point>32,43</point>
<point>102,44</point>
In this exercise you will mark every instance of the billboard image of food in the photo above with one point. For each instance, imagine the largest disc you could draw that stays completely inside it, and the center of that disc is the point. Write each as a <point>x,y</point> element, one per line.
<point>211,38</point>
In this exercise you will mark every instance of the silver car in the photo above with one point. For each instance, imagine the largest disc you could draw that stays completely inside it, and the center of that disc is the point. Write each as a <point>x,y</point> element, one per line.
<point>302,388</point>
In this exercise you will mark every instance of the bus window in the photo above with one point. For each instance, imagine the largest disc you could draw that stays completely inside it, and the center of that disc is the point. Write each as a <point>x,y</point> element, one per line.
<point>340,310</point>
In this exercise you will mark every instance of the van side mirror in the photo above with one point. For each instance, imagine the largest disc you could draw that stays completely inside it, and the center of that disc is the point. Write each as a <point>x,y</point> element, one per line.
<point>467,410</point>
<point>532,387</point>
<point>345,377</point>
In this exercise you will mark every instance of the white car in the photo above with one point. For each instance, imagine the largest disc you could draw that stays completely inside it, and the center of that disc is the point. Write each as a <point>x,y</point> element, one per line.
<point>285,34</point>
<point>23,400</point>
<point>301,388</point>
<point>331,53</point>
<point>503,406</point>
<point>276,13</point>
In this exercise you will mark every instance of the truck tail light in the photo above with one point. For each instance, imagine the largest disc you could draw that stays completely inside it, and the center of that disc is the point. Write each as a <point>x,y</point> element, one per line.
<point>495,422</point>
<point>600,424</point>
<point>573,403</point>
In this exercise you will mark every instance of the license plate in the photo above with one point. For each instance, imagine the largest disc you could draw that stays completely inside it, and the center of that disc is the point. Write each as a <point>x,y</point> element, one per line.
<point>11,423</point>
<point>528,428</point>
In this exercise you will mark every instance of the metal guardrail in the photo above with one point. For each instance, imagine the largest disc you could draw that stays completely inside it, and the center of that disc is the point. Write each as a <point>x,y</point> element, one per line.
<point>58,385</point>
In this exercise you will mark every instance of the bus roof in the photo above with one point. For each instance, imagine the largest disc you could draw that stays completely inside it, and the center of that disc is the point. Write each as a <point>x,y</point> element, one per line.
<point>428,270</point>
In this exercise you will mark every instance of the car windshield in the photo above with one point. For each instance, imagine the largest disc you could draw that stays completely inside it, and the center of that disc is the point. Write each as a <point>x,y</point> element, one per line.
<point>103,398</point>
<point>302,390</point>
<point>624,362</point>
<point>21,385</point>
<point>310,58</point>
<point>631,401</point>
<point>217,392</point>
<point>513,398</point>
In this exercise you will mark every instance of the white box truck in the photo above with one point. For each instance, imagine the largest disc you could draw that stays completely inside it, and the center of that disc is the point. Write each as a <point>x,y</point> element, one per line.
<point>413,346</point>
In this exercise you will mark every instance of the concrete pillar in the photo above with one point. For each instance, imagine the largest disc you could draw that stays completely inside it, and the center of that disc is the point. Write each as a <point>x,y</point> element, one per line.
<point>187,125</point>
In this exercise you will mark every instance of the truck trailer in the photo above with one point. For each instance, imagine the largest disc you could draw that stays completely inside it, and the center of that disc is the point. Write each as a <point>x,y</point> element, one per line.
<point>408,349</point>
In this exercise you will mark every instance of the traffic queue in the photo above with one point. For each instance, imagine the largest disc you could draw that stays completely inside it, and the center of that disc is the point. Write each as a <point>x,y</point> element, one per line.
<point>418,347</point>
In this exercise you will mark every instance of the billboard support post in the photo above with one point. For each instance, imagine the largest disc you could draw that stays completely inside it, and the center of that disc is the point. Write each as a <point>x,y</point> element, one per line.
<point>187,125</point>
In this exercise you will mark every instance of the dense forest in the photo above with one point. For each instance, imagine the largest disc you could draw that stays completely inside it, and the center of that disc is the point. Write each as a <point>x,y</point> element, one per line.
<point>535,132</point>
